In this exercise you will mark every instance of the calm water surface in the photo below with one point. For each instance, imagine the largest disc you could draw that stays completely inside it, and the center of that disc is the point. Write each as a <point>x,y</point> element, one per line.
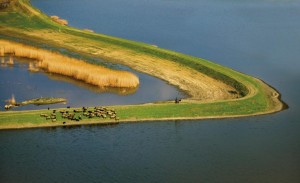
<point>258,37</point>
<point>26,85</point>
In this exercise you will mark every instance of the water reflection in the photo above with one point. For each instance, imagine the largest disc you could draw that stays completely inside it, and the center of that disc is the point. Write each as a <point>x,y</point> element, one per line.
<point>21,79</point>
<point>96,89</point>
<point>31,66</point>
<point>7,61</point>
<point>257,149</point>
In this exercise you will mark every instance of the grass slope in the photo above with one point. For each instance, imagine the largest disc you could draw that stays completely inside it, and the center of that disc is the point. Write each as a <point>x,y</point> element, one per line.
<point>23,23</point>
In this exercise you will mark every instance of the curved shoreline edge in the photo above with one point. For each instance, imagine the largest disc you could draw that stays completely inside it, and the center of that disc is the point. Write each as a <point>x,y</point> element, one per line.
<point>255,97</point>
<point>113,122</point>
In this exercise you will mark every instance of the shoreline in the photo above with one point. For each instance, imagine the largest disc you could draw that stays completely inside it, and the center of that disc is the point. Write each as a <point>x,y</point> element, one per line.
<point>113,122</point>
<point>281,106</point>
<point>215,91</point>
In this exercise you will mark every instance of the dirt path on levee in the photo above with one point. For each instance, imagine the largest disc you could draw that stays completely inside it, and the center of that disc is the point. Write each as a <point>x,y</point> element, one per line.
<point>196,84</point>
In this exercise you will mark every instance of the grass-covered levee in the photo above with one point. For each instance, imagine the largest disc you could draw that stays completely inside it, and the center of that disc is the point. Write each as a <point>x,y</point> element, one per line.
<point>214,91</point>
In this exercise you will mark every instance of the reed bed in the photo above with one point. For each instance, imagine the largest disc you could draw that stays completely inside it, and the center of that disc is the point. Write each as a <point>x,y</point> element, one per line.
<point>12,100</point>
<point>59,64</point>
<point>59,20</point>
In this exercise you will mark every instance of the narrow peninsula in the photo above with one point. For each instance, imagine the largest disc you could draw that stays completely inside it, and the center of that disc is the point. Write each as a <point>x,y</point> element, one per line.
<point>214,91</point>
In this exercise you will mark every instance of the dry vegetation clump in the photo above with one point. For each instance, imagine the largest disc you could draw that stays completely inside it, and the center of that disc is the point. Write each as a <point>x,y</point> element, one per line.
<point>11,61</point>
<point>88,30</point>
<point>59,20</point>
<point>33,67</point>
<point>12,100</point>
<point>78,69</point>
<point>4,3</point>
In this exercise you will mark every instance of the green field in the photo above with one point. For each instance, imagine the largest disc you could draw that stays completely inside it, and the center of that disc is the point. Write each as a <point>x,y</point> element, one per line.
<point>21,22</point>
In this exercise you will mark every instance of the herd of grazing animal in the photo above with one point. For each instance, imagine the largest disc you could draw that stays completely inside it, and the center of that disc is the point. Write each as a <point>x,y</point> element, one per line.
<point>80,114</point>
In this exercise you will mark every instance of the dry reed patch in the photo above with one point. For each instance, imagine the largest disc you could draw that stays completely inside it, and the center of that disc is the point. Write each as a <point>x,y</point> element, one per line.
<point>12,100</point>
<point>196,84</point>
<point>59,20</point>
<point>88,30</point>
<point>78,69</point>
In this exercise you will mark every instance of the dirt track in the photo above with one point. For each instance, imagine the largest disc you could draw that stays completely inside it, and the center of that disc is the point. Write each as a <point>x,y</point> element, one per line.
<point>199,86</point>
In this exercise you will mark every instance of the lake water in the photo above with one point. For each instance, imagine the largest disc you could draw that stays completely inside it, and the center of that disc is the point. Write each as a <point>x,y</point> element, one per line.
<point>25,85</point>
<point>257,37</point>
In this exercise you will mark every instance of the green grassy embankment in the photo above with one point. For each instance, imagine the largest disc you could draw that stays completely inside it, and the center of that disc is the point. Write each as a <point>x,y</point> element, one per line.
<point>23,23</point>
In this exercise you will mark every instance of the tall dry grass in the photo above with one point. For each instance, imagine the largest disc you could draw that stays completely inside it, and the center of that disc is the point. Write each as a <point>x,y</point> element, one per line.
<point>59,20</point>
<point>11,61</point>
<point>56,63</point>
<point>12,100</point>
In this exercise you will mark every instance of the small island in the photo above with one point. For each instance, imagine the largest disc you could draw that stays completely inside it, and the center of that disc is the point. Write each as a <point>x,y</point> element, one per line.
<point>37,101</point>
<point>43,101</point>
<point>214,91</point>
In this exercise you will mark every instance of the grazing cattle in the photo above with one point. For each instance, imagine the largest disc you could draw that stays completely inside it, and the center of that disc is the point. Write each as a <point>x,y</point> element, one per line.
<point>177,100</point>
<point>71,116</point>
<point>43,115</point>
<point>86,112</point>
<point>84,109</point>
<point>77,110</point>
